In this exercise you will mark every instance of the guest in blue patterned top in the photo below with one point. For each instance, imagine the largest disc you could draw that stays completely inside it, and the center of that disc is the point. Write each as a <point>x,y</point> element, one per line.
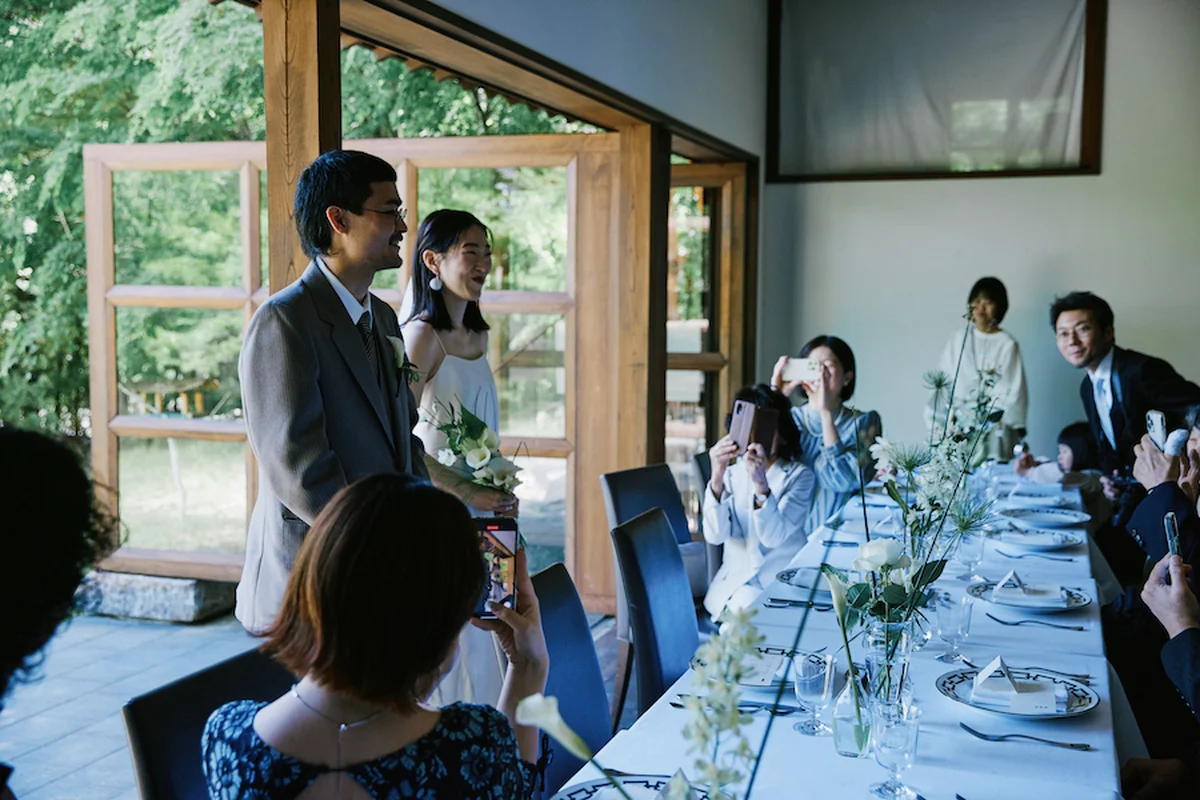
<point>383,584</point>
<point>833,436</point>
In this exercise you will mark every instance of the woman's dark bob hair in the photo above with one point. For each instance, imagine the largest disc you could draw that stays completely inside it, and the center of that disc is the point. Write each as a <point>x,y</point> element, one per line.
<point>439,233</point>
<point>380,590</point>
<point>844,354</point>
<point>993,290</point>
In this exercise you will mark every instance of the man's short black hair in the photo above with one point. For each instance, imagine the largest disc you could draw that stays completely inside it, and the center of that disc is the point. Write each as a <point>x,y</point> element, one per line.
<point>339,178</point>
<point>993,290</point>
<point>1082,301</point>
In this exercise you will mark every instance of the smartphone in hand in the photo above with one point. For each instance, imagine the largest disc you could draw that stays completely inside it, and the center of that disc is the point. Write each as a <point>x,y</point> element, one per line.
<point>1156,427</point>
<point>498,542</point>
<point>801,369</point>
<point>750,424</point>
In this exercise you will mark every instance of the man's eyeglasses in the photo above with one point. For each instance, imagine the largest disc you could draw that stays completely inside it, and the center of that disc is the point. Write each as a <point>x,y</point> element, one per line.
<point>399,213</point>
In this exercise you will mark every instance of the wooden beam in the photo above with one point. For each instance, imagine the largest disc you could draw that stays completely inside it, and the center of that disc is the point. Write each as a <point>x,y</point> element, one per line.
<point>211,430</point>
<point>502,302</point>
<point>698,362</point>
<point>214,297</point>
<point>711,176</point>
<point>179,156</point>
<point>302,89</point>
<point>531,150</point>
<point>535,447</point>
<point>176,564</point>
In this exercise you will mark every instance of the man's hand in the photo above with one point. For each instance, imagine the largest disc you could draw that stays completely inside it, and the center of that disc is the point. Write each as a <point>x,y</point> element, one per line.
<point>1173,603</point>
<point>1112,490</point>
<point>1025,463</point>
<point>1153,467</point>
<point>1189,475</point>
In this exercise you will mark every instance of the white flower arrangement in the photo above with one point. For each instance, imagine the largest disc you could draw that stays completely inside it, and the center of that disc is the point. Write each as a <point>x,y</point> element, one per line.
<point>472,448</point>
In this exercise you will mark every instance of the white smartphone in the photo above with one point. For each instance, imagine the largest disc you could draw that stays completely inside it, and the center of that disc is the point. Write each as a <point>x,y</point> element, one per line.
<point>801,369</point>
<point>1156,427</point>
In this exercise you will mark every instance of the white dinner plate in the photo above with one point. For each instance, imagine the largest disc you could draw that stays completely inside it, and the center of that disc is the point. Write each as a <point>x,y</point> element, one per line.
<point>1075,599</point>
<point>639,787</point>
<point>1044,517</point>
<point>1081,699</point>
<point>804,578</point>
<point>1039,539</point>
<point>1037,501</point>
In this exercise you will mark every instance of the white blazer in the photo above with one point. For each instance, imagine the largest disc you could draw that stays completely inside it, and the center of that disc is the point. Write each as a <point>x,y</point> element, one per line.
<point>758,542</point>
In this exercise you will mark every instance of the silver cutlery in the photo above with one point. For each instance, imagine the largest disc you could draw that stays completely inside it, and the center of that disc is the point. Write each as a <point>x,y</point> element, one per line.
<point>1082,677</point>
<point>1036,622</point>
<point>783,602</point>
<point>1033,555</point>
<point>838,543</point>
<point>1004,737</point>
<point>751,707</point>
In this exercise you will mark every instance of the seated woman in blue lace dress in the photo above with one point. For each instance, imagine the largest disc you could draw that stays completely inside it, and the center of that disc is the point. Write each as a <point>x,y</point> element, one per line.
<point>834,438</point>
<point>383,584</point>
<point>756,505</point>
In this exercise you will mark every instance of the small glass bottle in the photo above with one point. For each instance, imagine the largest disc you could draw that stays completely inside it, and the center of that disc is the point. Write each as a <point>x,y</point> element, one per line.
<point>852,721</point>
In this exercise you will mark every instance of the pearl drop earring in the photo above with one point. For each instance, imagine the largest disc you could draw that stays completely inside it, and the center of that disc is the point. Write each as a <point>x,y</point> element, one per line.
<point>435,283</point>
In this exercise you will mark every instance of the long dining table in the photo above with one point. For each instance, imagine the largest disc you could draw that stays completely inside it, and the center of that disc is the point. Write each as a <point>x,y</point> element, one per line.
<point>949,763</point>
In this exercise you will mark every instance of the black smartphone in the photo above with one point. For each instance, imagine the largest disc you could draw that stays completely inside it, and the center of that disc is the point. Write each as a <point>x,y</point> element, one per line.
<point>498,542</point>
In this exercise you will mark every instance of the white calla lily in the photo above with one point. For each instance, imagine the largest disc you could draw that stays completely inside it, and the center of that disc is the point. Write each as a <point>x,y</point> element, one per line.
<point>477,457</point>
<point>542,712</point>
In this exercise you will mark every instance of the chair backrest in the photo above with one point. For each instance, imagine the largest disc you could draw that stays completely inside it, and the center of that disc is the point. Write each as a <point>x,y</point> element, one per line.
<point>164,726</point>
<point>702,463</point>
<point>575,677</point>
<point>630,492</point>
<point>661,611</point>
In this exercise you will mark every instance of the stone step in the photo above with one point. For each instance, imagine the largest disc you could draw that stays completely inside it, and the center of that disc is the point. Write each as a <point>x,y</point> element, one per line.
<point>119,594</point>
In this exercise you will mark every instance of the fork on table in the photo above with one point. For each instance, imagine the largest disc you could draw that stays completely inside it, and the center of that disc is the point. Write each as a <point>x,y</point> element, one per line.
<point>1000,552</point>
<point>1004,737</point>
<point>1036,622</point>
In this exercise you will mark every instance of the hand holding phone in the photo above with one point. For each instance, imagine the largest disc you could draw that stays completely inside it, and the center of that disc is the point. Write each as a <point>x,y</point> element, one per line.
<point>801,369</point>
<point>1156,428</point>
<point>749,424</point>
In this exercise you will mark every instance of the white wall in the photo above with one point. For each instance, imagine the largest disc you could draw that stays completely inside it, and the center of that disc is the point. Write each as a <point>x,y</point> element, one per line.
<point>703,62</point>
<point>887,265</point>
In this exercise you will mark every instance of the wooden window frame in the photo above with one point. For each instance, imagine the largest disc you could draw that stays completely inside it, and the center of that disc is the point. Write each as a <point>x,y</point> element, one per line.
<point>1091,124</point>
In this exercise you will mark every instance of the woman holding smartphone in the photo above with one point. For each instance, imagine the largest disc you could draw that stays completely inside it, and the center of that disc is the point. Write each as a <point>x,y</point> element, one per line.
<point>834,438</point>
<point>755,505</point>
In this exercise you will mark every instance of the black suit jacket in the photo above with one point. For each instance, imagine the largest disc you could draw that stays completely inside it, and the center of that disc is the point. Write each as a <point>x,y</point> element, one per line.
<point>1141,383</point>
<point>1146,526</point>
<point>1181,660</point>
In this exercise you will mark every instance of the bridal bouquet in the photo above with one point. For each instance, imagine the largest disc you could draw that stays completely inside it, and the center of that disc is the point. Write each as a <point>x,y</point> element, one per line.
<point>473,448</point>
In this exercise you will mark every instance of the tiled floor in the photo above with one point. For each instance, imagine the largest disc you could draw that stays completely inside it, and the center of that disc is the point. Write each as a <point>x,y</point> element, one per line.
<point>64,734</point>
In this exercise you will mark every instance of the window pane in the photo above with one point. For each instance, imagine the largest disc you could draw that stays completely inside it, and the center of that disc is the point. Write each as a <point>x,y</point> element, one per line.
<point>179,361</point>
<point>177,228</point>
<point>183,494</point>
<point>543,520</point>
<point>689,271</point>
<point>526,210</point>
<point>526,354</point>
<point>689,396</point>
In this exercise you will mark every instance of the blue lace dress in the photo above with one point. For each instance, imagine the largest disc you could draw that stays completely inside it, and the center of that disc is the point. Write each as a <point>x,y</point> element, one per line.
<point>471,753</point>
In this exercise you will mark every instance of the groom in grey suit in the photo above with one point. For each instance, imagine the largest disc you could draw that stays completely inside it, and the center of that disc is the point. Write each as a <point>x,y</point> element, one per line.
<point>324,396</point>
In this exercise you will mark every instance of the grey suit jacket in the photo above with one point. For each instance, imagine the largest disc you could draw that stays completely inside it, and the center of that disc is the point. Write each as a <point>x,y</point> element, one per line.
<point>317,420</point>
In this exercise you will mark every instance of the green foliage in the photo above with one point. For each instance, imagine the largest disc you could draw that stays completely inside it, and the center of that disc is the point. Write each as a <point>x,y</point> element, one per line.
<point>96,71</point>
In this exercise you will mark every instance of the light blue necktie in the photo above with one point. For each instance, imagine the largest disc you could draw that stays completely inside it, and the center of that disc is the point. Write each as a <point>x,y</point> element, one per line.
<point>1104,410</point>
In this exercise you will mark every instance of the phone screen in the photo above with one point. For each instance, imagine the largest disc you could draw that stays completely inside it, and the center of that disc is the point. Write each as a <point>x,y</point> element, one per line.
<point>498,544</point>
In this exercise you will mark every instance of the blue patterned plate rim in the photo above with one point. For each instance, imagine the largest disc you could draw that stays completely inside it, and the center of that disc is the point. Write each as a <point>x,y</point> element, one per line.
<point>652,783</point>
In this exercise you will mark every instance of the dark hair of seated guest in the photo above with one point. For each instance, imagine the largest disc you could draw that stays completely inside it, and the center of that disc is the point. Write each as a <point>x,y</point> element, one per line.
<point>1079,439</point>
<point>53,533</point>
<point>1102,312</point>
<point>844,354</point>
<point>371,611</point>
<point>763,396</point>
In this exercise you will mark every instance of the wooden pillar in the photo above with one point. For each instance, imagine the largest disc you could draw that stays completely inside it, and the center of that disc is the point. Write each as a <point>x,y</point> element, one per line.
<point>302,89</point>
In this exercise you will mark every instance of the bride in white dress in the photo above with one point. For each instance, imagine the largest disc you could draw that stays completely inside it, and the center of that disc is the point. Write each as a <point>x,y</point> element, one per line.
<point>446,338</point>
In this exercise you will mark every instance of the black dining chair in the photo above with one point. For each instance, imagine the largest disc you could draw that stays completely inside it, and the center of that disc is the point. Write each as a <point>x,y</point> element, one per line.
<point>661,613</point>
<point>575,677</point>
<point>628,493</point>
<point>164,725</point>
<point>702,465</point>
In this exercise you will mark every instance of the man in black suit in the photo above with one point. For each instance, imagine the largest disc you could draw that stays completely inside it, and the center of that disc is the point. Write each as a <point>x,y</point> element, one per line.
<point>1120,387</point>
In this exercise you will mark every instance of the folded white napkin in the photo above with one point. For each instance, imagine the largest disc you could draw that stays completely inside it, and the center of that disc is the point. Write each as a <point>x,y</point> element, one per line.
<point>1027,696</point>
<point>679,782</point>
<point>764,671</point>
<point>1034,595</point>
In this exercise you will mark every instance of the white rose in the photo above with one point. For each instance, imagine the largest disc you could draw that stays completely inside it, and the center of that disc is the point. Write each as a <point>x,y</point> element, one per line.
<point>542,712</point>
<point>446,457</point>
<point>879,553</point>
<point>477,457</point>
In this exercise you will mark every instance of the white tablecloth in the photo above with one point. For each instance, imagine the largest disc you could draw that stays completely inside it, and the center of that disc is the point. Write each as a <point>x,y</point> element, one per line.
<point>949,761</point>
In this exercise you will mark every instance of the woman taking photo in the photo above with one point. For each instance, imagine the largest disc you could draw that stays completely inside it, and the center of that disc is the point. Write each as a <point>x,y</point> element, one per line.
<point>834,438</point>
<point>383,584</point>
<point>756,505</point>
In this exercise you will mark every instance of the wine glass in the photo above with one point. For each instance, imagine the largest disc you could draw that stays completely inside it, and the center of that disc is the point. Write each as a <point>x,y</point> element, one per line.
<point>954,624</point>
<point>894,730</point>
<point>815,673</point>
<point>969,554</point>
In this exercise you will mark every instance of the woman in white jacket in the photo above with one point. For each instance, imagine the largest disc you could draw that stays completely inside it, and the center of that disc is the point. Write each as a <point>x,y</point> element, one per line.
<point>756,506</point>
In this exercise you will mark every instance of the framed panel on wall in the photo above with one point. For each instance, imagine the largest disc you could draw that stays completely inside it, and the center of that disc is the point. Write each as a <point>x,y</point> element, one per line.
<point>871,90</point>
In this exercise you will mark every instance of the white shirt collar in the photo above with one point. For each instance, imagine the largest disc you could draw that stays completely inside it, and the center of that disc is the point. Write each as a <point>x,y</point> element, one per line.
<point>1103,370</point>
<point>354,308</point>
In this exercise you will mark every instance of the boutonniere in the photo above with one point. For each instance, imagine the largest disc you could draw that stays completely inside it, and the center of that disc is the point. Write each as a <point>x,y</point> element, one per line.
<point>407,368</point>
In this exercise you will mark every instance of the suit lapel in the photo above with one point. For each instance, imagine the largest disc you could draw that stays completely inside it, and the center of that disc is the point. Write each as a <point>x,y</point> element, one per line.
<point>349,343</point>
<point>389,360</point>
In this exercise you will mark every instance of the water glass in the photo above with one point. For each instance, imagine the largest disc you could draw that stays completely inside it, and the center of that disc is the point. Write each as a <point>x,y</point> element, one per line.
<point>815,674</point>
<point>969,554</point>
<point>954,624</point>
<point>894,731</point>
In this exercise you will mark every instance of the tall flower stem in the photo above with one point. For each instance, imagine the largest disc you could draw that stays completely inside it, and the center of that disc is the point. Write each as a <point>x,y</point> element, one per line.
<point>954,384</point>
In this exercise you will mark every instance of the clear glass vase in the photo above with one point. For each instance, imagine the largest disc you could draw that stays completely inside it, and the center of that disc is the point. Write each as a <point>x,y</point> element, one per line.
<point>888,648</point>
<point>852,721</point>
